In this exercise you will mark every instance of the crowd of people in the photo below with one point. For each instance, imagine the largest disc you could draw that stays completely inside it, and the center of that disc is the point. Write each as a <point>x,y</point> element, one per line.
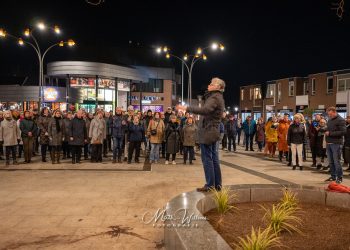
<point>327,137</point>
<point>85,136</point>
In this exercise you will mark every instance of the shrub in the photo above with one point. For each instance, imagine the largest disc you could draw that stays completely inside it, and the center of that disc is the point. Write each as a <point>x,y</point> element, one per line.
<point>281,218</point>
<point>223,198</point>
<point>289,200</point>
<point>259,240</point>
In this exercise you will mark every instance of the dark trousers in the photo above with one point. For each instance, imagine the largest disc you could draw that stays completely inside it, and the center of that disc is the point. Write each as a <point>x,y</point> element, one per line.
<point>1,150</point>
<point>109,143</point>
<point>44,148</point>
<point>249,141</point>
<point>76,153</point>
<point>314,151</point>
<point>260,145</point>
<point>224,142</point>
<point>163,149</point>
<point>134,146</point>
<point>232,142</point>
<point>66,149</point>
<point>105,147</point>
<point>28,143</point>
<point>167,157</point>
<point>20,150</point>
<point>96,152</point>
<point>55,153</point>
<point>86,150</point>
<point>117,147</point>
<point>188,153</point>
<point>238,136</point>
<point>9,150</point>
<point>211,164</point>
<point>36,144</point>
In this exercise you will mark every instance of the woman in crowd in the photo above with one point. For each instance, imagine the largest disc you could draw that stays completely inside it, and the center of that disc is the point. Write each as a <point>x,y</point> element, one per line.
<point>136,137</point>
<point>97,135</point>
<point>9,137</point>
<point>296,138</point>
<point>118,128</point>
<point>282,137</point>
<point>320,143</point>
<point>260,134</point>
<point>188,138</point>
<point>77,136</point>
<point>231,131</point>
<point>272,136</point>
<point>172,139</point>
<point>28,128</point>
<point>43,124</point>
<point>65,145</point>
<point>87,146</point>
<point>56,130</point>
<point>155,133</point>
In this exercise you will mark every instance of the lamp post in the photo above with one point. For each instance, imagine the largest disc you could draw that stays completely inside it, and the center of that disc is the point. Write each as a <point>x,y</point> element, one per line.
<point>189,61</point>
<point>39,51</point>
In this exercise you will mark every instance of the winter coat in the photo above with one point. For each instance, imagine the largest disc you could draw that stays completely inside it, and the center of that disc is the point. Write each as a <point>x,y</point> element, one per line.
<point>347,136</point>
<point>260,132</point>
<point>188,135</point>
<point>66,122</point>
<point>87,124</point>
<point>296,134</point>
<point>271,132</point>
<point>97,131</point>
<point>9,132</point>
<point>136,133</point>
<point>108,122</point>
<point>26,126</point>
<point>77,130</point>
<point>231,128</point>
<point>249,128</point>
<point>43,124</point>
<point>172,138</point>
<point>159,137</point>
<point>211,114</point>
<point>282,136</point>
<point>313,133</point>
<point>337,129</point>
<point>56,137</point>
<point>116,127</point>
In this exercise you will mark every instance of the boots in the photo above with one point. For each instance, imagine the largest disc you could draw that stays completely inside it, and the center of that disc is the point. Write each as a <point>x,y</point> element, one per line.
<point>119,159</point>
<point>53,156</point>
<point>58,157</point>
<point>43,158</point>
<point>280,155</point>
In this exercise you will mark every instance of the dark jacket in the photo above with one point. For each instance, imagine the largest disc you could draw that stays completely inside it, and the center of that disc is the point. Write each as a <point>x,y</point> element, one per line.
<point>172,138</point>
<point>260,132</point>
<point>117,129</point>
<point>313,133</point>
<point>337,129</point>
<point>136,133</point>
<point>66,122</point>
<point>249,128</point>
<point>347,136</point>
<point>78,131</point>
<point>231,128</point>
<point>27,125</point>
<point>211,114</point>
<point>296,134</point>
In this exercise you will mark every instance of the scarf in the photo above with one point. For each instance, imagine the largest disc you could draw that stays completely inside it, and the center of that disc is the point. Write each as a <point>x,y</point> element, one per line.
<point>58,127</point>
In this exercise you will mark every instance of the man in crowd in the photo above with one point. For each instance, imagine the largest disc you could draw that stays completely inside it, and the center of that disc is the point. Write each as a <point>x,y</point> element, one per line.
<point>249,128</point>
<point>313,134</point>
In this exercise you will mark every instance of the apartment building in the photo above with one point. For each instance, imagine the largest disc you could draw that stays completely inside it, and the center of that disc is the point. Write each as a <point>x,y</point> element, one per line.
<point>293,95</point>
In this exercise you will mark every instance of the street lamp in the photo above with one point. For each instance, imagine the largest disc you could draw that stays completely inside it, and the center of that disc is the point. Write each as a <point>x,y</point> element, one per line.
<point>35,45</point>
<point>188,61</point>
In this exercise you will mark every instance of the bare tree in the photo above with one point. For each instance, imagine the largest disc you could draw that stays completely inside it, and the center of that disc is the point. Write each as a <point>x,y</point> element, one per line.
<point>339,8</point>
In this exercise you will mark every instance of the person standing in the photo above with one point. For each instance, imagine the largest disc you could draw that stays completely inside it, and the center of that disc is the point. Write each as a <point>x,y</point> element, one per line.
<point>209,132</point>
<point>296,138</point>
<point>136,137</point>
<point>231,131</point>
<point>313,136</point>
<point>347,142</point>
<point>336,129</point>
<point>239,130</point>
<point>57,132</point>
<point>118,126</point>
<point>97,135</point>
<point>320,144</point>
<point>188,137</point>
<point>28,128</point>
<point>9,137</point>
<point>43,124</point>
<point>249,128</point>
<point>260,134</point>
<point>155,133</point>
<point>147,120</point>
<point>87,119</point>
<point>172,140</point>
<point>282,137</point>
<point>65,145</point>
<point>1,147</point>
<point>107,141</point>
<point>77,136</point>
<point>224,121</point>
<point>272,136</point>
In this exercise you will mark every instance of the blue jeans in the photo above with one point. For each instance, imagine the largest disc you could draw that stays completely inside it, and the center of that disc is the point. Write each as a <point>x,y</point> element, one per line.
<point>333,154</point>
<point>211,164</point>
<point>154,155</point>
<point>117,147</point>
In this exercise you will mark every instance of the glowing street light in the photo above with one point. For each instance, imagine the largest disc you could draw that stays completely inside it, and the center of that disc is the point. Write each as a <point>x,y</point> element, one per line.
<point>214,46</point>
<point>199,51</point>
<point>41,26</point>
<point>159,50</point>
<point>185,57</point>
<point>57,29</point>
<point>204,57</point>
<point>70,43</point>
<point>61,44</point>
<point>167,55</point>
<point>20,41</point>
<point>165,49</point>
<point>2,33</point>
<point>222,47</point>
<point>27,32</point>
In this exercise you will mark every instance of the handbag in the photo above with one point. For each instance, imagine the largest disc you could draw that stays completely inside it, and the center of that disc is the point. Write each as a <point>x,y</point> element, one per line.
<point>154,131</point>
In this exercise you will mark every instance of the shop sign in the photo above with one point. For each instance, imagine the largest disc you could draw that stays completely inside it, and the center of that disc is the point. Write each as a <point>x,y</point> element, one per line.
<point>106,83</point>
<point>123,85</point>
<point>82,82</point>
<point>51,94</point>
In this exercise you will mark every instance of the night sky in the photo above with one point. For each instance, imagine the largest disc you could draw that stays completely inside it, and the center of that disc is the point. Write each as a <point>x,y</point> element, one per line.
<point>264,39</point>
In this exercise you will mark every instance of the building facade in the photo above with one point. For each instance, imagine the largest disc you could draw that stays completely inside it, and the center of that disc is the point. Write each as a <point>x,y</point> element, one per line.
<point>293,95</point>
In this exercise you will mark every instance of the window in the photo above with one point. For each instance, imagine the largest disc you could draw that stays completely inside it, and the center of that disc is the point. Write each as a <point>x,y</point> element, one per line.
<point>257,93</point>
<point>306,88</point>
<point>251,94</point>
<point>153,86</point>
<point>344,82</point>
<point>279,92</point>
<point>270,93</point>
<point>313,86</point>
<point>291,88</point>
<point>242,94</point>
<point>329,85</point>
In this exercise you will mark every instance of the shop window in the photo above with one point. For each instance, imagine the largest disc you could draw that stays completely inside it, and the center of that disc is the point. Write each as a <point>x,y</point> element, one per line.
<point>306,88</point>
<point>313,86</point>
<point>251,94</point>
<point>257,93</point>
<point>344,82</point>
<point>279,92</point>
<point>242,94</point>
<point>330,85</point>
<point>108,95</point>
<point>101,95</point>
<point>270,93</point>
<point>291,88</point>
